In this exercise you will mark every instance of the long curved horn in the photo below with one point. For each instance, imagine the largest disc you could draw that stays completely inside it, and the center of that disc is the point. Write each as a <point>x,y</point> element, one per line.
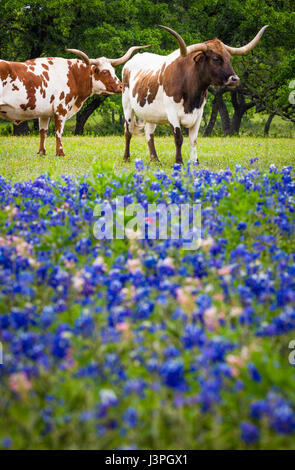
<point>184,50</point>
<point>126,56</point>
<point>182,45</point>
<point>248,47</point>
<point>80,54</point>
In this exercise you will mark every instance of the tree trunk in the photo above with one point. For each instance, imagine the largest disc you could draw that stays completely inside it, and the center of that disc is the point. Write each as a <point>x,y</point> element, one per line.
<point>268,123</point>
<point>240,107</point>
<point>236,121</point>
<point>213,117</point>
<point>84,114</point>
<point>21,129</point>
<point>225,120</point>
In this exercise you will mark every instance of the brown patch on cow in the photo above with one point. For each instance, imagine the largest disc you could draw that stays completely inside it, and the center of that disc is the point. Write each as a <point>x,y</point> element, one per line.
<point>182,81</point>
<point>161,75</point>
<point>45,66</point>
<point>50,60</point>
<point>146,87</point>
<point>137,74</point>
<point>4,72</point>
<point>45,75</point>
<point>43,134</point>
<point>79,82</point>
<point>60,110</point>
<point>31,62</point>
<point>152,148</point>
<point>62,95</point>
<point>51,99</point>
<point>126,78</point>
<point>14,87</point>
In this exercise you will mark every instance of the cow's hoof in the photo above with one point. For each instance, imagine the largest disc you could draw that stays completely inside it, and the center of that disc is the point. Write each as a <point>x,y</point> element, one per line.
<point>41,152</point>
<point>60,154</point>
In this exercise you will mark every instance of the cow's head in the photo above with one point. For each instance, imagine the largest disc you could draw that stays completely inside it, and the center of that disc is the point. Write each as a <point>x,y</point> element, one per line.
<point>103,74</point>
<point>215,56</point>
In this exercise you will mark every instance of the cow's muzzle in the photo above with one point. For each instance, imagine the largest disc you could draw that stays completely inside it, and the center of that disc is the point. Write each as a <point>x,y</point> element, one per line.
<point>232,81</point>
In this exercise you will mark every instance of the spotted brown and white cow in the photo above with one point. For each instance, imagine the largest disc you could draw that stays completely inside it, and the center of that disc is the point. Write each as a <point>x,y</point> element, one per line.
<point>55,88</point>
<point>173,89</point>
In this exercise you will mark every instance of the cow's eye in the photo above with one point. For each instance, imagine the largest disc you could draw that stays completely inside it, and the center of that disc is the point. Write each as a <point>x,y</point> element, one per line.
<point>216,59</point>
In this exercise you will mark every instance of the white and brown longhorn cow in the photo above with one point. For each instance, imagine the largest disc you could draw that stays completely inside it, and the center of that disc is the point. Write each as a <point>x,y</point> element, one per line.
<point>56,88</point>
<point>173,89</point>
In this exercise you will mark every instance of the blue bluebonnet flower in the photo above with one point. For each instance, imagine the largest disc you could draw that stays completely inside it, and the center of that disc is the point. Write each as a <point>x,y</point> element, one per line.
<point>254,374</point>
<point>249,432</point>
<point>84,325</point>
<point>172,372</point>
<point>193,336</point>
<point>6,442</point>
<point>139,165</point>
<point>130,417</point>
<point>283,419</point>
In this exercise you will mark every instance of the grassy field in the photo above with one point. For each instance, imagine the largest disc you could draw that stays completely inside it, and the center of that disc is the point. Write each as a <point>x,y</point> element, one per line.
<point>19,160</point>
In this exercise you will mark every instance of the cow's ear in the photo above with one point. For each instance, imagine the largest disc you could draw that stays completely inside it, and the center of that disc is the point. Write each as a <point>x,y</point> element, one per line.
<point>198,57</point>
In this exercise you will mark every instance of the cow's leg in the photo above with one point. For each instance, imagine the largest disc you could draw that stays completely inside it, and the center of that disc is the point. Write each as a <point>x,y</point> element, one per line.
<point>149,133</point>
<point>59,122</point>
<point>128,136</point>
<point>129,121</point>
<point>193,137</point>
<point>43,127</point>
<point>178,139</point>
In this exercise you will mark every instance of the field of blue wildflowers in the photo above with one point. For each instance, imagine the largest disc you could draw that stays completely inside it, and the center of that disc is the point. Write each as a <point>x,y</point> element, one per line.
<point>125,344</point>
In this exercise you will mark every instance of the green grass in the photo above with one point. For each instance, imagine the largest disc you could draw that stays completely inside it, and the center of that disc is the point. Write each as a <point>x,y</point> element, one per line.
<point>19,160</point>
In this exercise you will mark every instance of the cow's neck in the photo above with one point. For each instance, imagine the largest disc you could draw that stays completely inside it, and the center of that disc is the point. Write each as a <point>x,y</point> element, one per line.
<point>195,85</point>
<point>186,80</point>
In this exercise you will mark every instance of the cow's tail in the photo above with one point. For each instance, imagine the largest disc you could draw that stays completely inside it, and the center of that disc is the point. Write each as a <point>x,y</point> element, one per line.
<point>135,127</point>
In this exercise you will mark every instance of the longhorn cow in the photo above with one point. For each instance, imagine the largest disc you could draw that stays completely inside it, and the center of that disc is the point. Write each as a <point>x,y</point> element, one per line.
<point>173,89</point>
<point>56,88</point>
